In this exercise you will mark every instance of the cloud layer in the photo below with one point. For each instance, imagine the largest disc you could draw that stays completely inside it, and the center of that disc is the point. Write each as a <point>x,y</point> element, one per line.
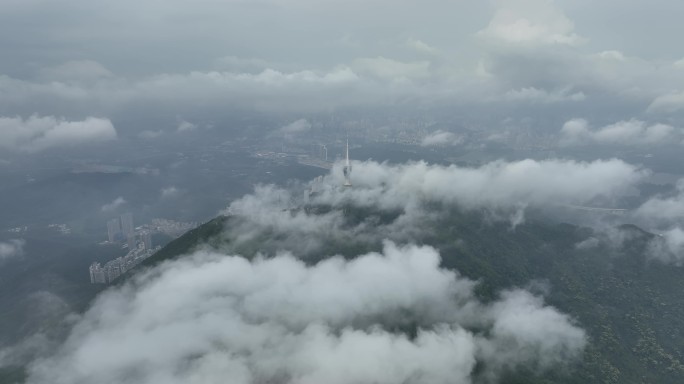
<point>39,133</point>
<point>11,249</point>
<point>114,205</point>
<point>441,138</point>
<point>404,195</point>
<point>523,53</point>
<point>496,184</point>
<point>211,316</point>
<point>630,132</point>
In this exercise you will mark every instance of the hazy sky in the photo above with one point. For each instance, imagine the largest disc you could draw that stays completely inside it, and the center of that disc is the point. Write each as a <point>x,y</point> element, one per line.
<point>607,62</point>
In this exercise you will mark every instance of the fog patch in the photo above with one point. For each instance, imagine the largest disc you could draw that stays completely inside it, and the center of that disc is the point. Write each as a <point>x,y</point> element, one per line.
<point>668,247</point>
<point>114,205</point>
<point>11,249</point>
<point>37,133</point>
<point>210,315</point>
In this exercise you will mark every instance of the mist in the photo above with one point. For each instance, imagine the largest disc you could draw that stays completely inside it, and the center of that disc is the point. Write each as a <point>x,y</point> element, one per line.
<point>209,315</point>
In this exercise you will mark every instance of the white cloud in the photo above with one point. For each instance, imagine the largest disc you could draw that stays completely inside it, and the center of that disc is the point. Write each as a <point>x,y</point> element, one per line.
<point>668,247</point>
<point>497,184</point>
<point>169,192</point>
<point>612,55</point>
<point>272,218</point>
<point>39,133</point>
<point>668,103</point>
<point>589,243</point>
<point>114,205</point>
<point>269,89</point>
<point>268,209</point>
<point>664,209</point>
<point>440,137</point>
<point>522,323</point>
<point>626,132</point>
<point>503,75</point>
<point>185,126</point>
<point>11,249</point>
<point>575,131</point>
<point>208,316</point>
<point>679,64</point>
<point>530,54</point>
<point>299,126</point>
<point>421,47</point>
<point>530,22</point>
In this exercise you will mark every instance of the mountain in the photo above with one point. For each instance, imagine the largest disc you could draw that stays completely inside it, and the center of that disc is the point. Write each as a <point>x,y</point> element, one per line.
<point>630,304</point>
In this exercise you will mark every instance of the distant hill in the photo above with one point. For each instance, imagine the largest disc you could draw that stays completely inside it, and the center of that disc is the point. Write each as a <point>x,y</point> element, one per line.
<point>206,234</point>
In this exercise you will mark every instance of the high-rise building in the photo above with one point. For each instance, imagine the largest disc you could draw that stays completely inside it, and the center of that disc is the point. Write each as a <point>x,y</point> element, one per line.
<point>132,244</point>
<point>127,224</point>
<point>113,230</point>
<point>113,269</point>
<point>147,240</point>
<point>93,269</point>
<point>97,275</point>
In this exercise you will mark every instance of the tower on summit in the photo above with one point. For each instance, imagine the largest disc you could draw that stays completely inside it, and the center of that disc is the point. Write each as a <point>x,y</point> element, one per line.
<point>347,169</point>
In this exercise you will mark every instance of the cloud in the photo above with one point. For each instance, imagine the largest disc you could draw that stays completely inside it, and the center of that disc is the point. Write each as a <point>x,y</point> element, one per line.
<point>270,89</point>
<point>185,126</point>
<point>295,127</point>
<point>496,184</point>
<point>664,210</point>
<point>523,323</point>
<point>589,243</point>
<point>668,103</point>
<point>533,54</point>
<point>399,200</point>
<point>11,249</point>
<point>627,132</point>
<point>440,137</point>
<point>40,133</point>
<point>529,53</point>
<point>612,55</point>
<point>530,22</point>
<point>169,192</point>
<point>421,47</point>
<point>114,205</point>
<point>209,316</point>
<point>668,247</point>
<point>268,212</point>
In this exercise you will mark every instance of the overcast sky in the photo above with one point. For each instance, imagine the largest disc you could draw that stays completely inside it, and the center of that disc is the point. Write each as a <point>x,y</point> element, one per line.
<point>607,62</point>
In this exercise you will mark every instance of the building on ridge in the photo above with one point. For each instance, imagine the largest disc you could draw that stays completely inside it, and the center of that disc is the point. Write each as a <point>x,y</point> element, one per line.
<point>347,169</point>
<point>113,230</point>
<point>147,240</point>
<point>127,224</point>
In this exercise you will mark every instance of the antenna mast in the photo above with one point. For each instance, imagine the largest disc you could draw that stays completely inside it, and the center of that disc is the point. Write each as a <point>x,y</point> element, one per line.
<point>347,168</point>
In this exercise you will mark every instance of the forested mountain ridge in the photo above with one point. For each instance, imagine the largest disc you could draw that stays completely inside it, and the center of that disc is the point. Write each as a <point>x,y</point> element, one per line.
<point>629,303</point>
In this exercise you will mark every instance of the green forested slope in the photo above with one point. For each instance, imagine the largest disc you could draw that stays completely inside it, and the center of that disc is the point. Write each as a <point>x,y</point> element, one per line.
<point>631,306</point>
